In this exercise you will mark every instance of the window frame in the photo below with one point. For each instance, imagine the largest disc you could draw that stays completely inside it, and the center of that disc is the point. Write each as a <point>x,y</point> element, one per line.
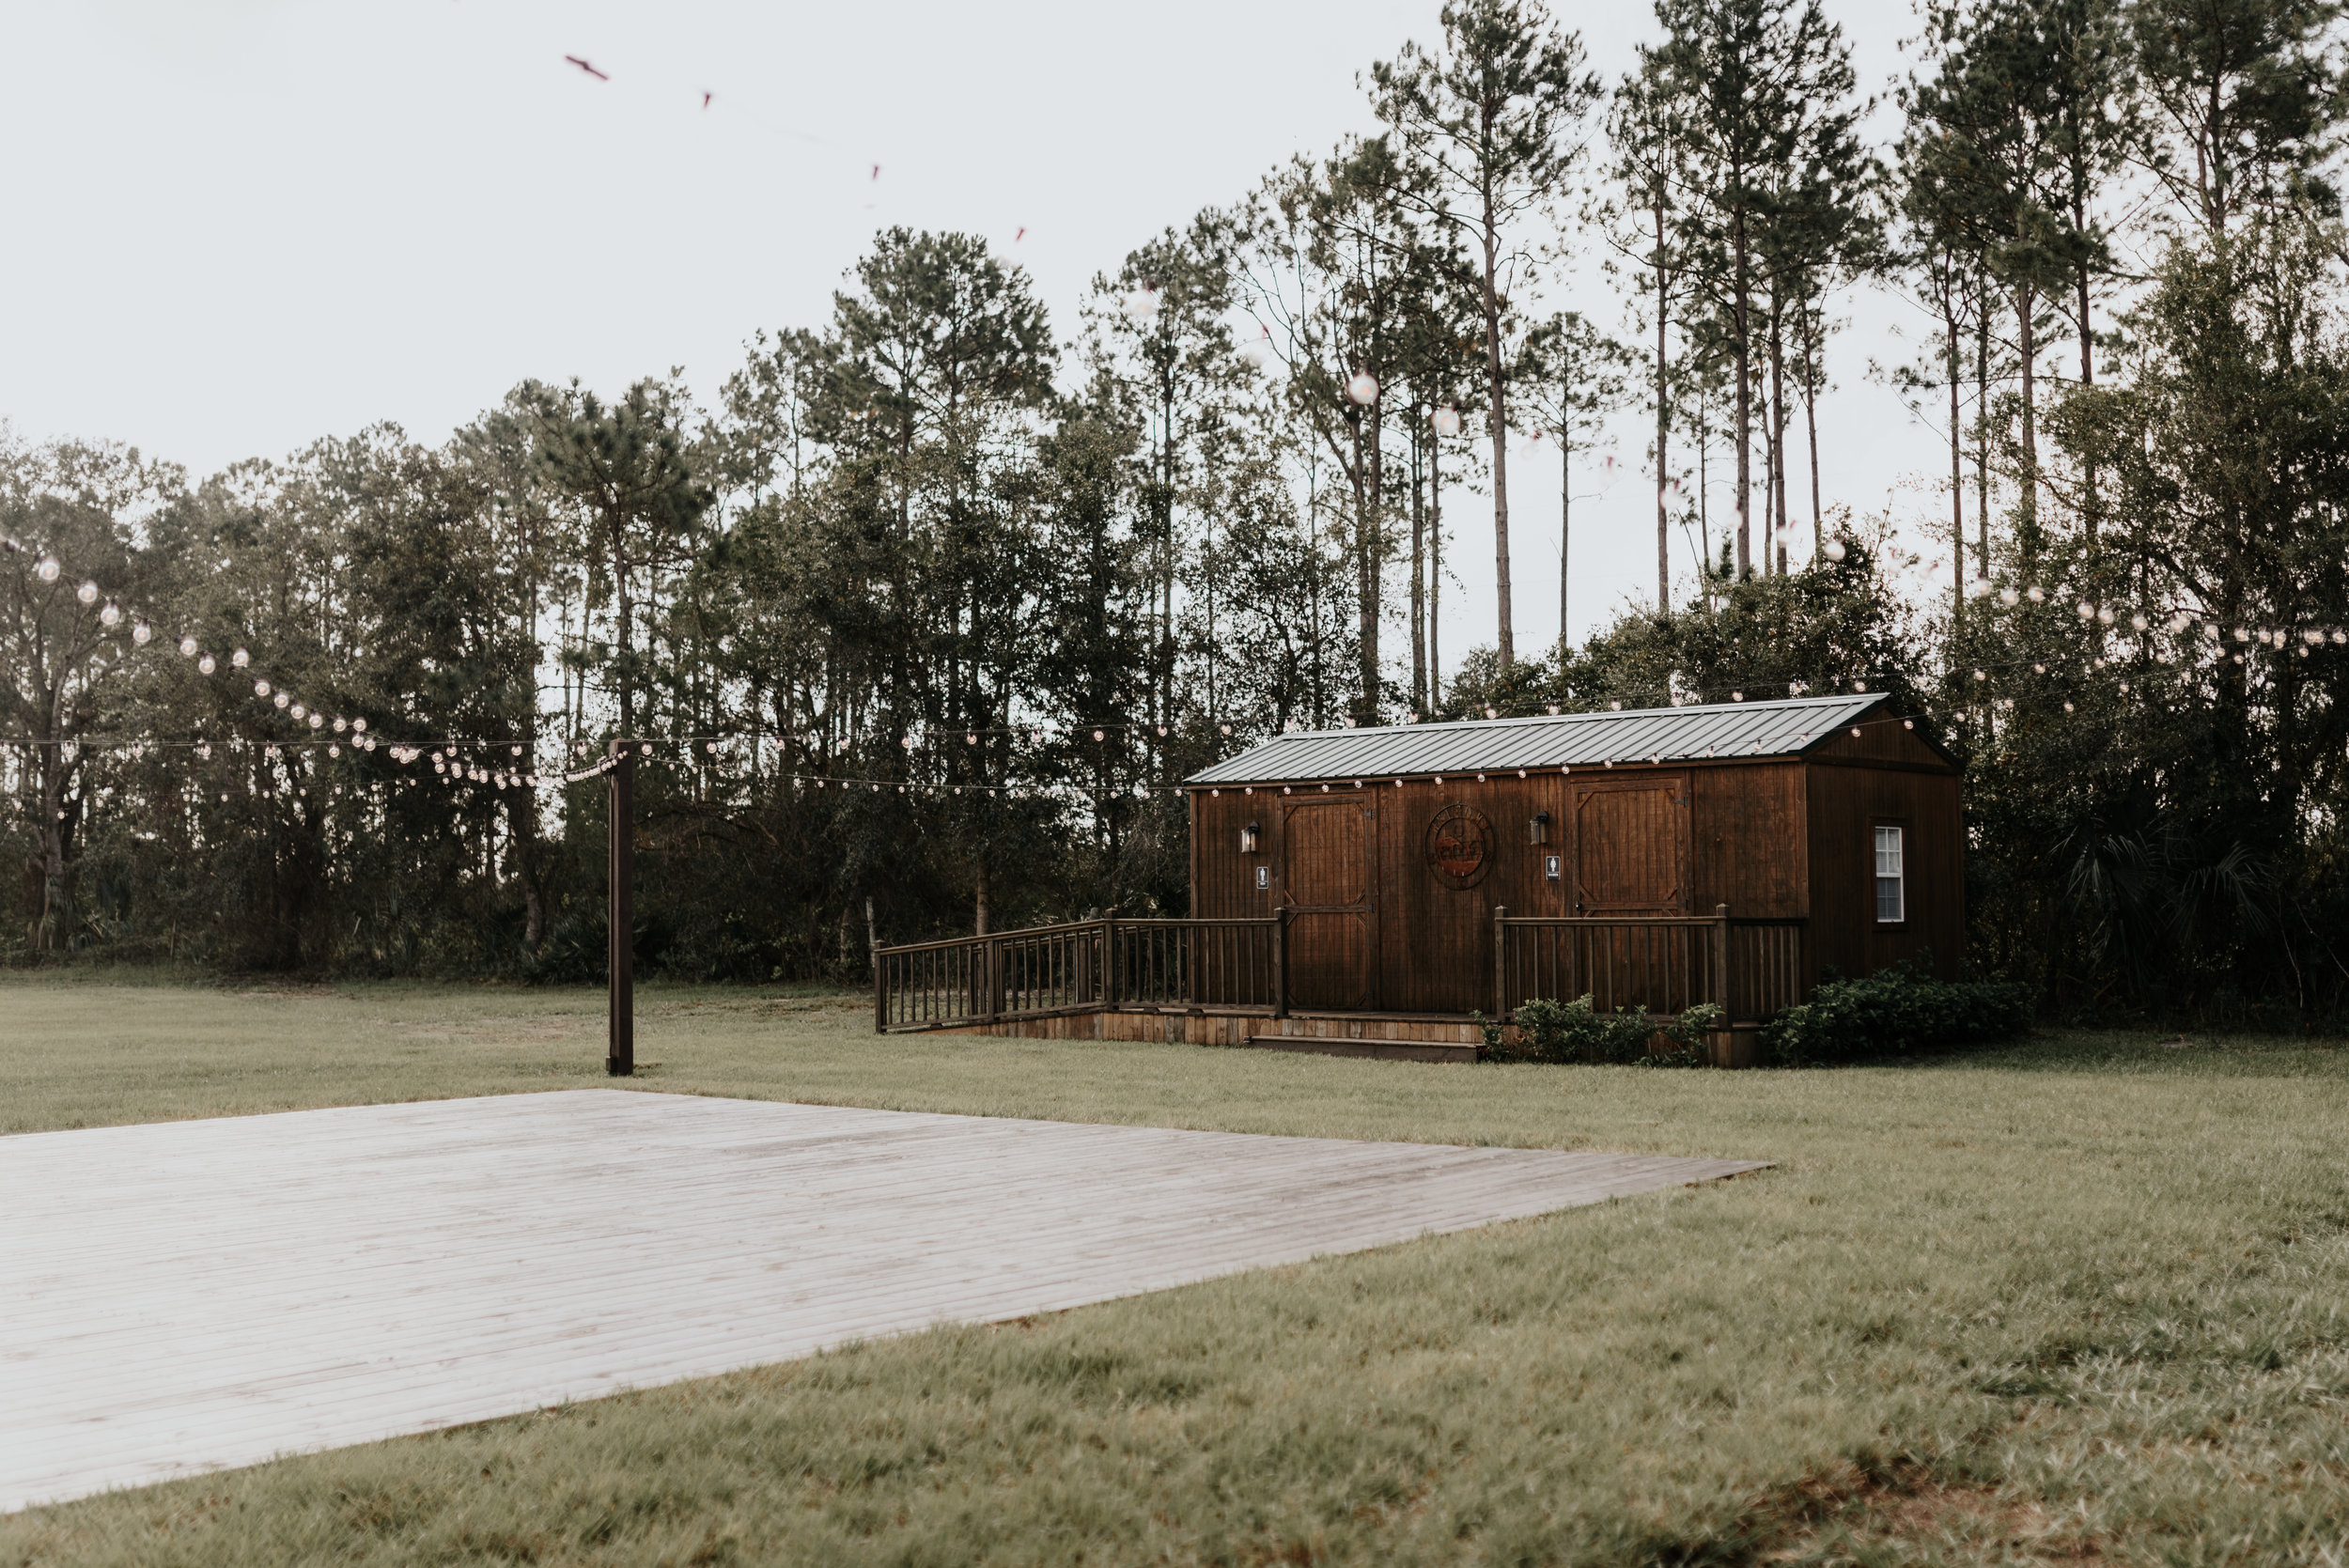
<point>1899,825</point>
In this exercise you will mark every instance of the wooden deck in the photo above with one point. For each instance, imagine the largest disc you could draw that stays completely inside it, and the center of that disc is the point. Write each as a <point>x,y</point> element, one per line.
<point>188,1296</point>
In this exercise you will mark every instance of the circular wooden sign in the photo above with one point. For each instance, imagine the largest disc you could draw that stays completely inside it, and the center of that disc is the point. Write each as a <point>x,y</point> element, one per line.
<point>1459,845</point>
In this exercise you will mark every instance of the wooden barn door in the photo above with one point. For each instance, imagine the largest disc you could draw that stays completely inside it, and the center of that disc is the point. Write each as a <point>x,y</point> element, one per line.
<point>1630,845</point>
<point>1328,879</point>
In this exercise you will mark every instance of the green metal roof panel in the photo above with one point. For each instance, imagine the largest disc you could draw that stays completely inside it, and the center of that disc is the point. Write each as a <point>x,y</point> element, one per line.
<point>1767,729</point>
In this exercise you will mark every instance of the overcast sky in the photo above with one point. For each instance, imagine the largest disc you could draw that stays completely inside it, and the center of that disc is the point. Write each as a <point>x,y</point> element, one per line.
<point>238,226</point>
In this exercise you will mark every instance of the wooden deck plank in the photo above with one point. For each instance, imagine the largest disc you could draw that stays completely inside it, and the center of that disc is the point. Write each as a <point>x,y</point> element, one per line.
<point>186,1296</point>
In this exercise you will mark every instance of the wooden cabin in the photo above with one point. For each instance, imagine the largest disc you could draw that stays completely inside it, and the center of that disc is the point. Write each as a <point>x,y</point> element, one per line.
<point>1390,850</point>
<point>1372,888</point>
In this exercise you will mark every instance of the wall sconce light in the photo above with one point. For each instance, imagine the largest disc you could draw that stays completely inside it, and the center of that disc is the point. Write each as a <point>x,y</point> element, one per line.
<point>1537,830</point>
<point>1249,838</point>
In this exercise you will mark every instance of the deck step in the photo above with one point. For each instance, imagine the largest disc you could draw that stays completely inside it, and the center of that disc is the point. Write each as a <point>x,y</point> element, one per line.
<point>1385,1050</point>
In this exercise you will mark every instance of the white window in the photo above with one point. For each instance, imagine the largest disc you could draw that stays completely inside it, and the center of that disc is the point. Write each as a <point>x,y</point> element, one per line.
<point>1891,878</point>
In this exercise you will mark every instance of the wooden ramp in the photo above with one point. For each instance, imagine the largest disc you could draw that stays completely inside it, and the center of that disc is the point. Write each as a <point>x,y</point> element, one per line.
<point>186,1296</point>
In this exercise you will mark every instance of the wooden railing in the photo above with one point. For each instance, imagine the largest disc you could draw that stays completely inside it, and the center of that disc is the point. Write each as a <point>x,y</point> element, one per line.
<point>1663,963</point>
<point>1175,965</point>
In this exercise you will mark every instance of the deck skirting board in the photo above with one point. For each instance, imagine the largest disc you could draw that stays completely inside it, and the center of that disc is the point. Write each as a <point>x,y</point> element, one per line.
<point>187,1295</point>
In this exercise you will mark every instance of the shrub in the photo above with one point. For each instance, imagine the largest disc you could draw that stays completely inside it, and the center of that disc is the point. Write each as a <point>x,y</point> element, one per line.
<point>1577,1031</point>
<point>1892,1012</point>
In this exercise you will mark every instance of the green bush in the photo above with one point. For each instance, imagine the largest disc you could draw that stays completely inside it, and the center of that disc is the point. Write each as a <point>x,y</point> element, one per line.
<point>1894,1011</point>
<point>1577,1031</point>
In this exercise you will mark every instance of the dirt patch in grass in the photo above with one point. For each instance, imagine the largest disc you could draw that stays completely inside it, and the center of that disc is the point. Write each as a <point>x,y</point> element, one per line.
<point>1904,1515</point>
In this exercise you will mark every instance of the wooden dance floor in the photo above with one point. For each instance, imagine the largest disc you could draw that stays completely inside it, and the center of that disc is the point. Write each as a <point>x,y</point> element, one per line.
<point>185,1295</point>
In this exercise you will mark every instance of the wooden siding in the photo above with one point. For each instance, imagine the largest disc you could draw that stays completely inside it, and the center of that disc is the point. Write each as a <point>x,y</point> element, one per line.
<point>1846,805</point>
<point>1882,739</point>
<point>1750,827</point>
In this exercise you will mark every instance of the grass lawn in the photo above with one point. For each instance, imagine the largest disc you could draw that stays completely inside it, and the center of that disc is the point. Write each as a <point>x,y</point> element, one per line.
<point>2085,1299</point>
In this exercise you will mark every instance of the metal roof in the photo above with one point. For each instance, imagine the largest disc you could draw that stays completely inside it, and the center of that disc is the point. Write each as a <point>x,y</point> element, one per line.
<point>1769,729</point>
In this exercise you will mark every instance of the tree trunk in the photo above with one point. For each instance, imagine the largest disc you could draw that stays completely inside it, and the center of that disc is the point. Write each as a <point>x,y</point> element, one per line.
<point>2029,532</point>
<point>1500,426</point>
<point>1741,317</point>
<point>1777,416</point>
<point>1418,566</point>
<point>1982,432</point>
<point>1811,355</point>
<point>979,898</point>
<point>1434,575</point>
<point>1366,562</point>
<point>1663,417</point>
<point>2088,367</point>
<point>1566,523</point>
<point>1957,464</point>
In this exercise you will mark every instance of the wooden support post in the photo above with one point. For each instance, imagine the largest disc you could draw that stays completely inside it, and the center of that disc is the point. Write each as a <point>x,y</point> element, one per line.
<point>619,1058</point>
<point>1501,963</point>
<point>994,980</point>
<point>1281,962</point>
<point>1109,997</point>
<point>1720,959</point>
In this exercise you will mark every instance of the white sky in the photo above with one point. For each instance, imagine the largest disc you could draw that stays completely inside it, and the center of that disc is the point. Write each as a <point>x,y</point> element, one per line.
<point>242,225</point>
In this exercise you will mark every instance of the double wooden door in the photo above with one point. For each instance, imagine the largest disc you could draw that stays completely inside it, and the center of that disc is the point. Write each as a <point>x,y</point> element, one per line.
<point>1330,883</point>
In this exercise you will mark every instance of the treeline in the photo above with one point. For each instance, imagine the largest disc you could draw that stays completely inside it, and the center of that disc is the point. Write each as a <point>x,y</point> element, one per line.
<point>927,607</point>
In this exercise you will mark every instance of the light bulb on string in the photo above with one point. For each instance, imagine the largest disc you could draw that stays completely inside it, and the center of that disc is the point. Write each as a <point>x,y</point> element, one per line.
<point>1362,388</point>
<point>260,688</point>
<point>239,658</point>
<point>1447,421</point>
<point>1834,549</point>
<point>87,593</point>
<point>204,665</point>
<point>299,711</point>
<point>142,634</point>
<point>318,721</point>
<point>187,648</point>
<point>111,616</point>
<point>48,569</point>
<point>2035,593</point>
<point>1253,355</point>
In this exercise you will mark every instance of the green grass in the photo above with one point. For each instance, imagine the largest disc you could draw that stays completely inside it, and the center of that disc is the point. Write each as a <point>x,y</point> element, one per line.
<point>2083,1300</point>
